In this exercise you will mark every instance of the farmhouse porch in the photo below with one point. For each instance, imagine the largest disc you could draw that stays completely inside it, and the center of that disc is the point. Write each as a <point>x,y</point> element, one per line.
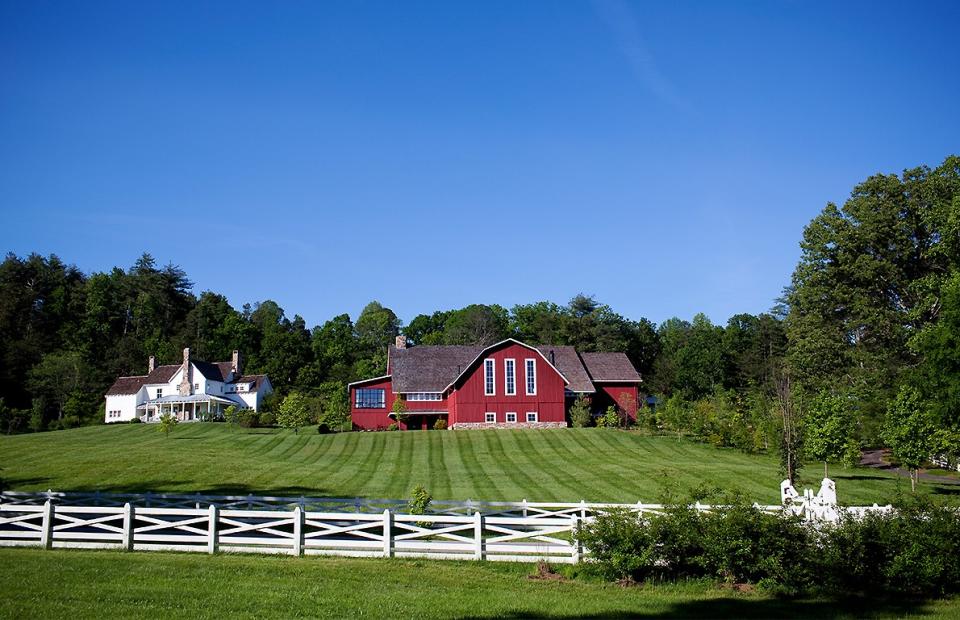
<point>185,408</point>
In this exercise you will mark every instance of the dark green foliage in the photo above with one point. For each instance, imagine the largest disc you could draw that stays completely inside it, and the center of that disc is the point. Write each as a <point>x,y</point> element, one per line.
<point>621,544</point>
<point>267,419</point>
<point>247,418</point>
<point>914,551</point>
<point>440,425</point>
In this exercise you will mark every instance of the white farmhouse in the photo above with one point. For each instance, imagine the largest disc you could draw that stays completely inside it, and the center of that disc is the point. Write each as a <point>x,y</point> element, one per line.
<point>193,390</point>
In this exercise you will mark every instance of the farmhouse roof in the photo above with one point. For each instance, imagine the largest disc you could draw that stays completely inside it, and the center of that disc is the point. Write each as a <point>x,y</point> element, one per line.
<point>162,374</point>
<point>127,385</point>
<point>610,367</point>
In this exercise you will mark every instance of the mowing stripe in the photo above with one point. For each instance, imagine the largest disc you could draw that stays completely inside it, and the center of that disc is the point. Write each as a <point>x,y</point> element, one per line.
<point>439,475</point>
<point>542,463</point>
<point>525,485</point>
<point>482,486</point>
<point>600,480</point>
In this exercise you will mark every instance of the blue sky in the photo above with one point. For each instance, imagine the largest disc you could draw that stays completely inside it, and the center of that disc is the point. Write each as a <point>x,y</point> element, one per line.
<point>663,157</point>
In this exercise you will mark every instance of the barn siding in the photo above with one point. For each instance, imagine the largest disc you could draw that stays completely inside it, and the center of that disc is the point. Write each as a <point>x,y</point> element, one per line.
<point>472,403</point>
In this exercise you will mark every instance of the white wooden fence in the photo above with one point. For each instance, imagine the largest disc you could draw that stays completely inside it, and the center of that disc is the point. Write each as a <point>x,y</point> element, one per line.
<point>510,531</point>
<point>296,532</point>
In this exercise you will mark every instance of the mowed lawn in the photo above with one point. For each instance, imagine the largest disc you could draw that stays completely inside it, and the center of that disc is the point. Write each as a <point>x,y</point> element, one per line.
<point>113,584</point>
<point>539,465</point>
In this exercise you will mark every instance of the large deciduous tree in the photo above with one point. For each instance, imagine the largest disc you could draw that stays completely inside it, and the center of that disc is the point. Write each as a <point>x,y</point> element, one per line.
<point>869,277</point>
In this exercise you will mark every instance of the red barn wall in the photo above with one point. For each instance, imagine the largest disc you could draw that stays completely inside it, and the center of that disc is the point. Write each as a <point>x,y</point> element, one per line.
<point>372,419</point>
<point>472,403</point>
<point>610,395</point>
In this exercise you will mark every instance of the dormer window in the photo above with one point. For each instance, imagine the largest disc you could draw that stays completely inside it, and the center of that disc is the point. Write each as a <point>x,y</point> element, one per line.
<point>159,392</point>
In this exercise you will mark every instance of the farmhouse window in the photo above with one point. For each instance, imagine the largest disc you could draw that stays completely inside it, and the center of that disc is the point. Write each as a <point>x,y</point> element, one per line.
<point>159,392</point>
<point>371,399</point>
<point>531,365</point>
<point>489,377</point>
<point>510,377</point>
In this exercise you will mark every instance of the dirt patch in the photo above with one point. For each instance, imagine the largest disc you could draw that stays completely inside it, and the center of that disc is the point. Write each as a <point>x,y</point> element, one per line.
<point>545,572</point>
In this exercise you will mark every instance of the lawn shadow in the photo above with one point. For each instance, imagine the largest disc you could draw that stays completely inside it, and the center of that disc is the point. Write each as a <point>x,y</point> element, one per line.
<point>157,486</point>
<point>731,607</point>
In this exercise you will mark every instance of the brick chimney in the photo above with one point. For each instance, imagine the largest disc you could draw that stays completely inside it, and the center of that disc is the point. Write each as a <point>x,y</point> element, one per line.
<point>401,342</point>
<point>186,383</point>
<point>151,364</point>
<point>237,370</point>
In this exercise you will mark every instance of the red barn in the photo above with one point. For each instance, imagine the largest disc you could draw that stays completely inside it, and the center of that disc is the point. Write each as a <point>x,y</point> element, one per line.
<point>509,385</point>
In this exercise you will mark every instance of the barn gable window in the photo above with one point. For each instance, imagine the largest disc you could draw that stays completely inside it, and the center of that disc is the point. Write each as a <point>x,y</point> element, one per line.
<point>510,377</point>
<point>489,377</point>
<point>371,399</point>
<point>531,375</point>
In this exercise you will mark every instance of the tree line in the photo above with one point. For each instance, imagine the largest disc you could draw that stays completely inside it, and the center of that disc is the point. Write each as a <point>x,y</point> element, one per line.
<point>862,349</point>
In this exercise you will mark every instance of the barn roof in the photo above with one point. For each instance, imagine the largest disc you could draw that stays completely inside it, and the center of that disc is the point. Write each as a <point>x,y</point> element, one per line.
<point>434,368</point>
<point>610,367</point>
<point>568,362</point>
<point>429,368</point>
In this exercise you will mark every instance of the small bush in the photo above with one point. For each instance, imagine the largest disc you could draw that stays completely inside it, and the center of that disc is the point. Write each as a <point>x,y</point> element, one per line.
<point>440,425</point>
<point>267,419</point>
<point>420,500</point>
<point>610,419</point>
<point>248,419</point>
<point>393,427</point>
<point>620,543</point>
<point>580,412</point>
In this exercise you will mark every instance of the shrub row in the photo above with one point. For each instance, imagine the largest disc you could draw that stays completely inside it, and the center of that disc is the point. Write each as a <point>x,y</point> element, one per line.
<point>914,551</point>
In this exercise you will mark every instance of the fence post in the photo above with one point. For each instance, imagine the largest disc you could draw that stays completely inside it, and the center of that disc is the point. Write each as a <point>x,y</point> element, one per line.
<point>524,507</point>
<point>583,509</point>
<point>212,542</point>
<point>387,533</point>
<point>297,531</point>
<point>479,549</point>
<point>574,540</point>
<point>128,518</point>
<point>46,534</point>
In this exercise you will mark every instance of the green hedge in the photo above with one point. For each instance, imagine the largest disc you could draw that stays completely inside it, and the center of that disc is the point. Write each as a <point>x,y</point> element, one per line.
<point>914,551</point>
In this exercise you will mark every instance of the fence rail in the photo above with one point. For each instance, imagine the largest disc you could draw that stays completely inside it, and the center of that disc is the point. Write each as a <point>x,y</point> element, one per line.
<point>358,505</point>
<point>296,532</point>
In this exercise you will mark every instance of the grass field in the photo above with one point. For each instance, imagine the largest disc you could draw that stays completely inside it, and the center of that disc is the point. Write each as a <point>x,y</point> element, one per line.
<point>112,584</point>
<point>539,465</point>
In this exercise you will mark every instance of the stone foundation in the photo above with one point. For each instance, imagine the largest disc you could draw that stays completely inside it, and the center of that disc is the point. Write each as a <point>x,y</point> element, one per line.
<point>484,425</point>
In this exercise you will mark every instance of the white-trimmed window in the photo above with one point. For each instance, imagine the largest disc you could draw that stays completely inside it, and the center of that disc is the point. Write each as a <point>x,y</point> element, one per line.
<point>425,396</point>
<point>196,386</point>
<point>489,377</point>
<point>490,417</point>
<point>531,376</point>
<point>512,416</point>
<point>159,392</point>
<point>510,377</point>
<point>532,416</point>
